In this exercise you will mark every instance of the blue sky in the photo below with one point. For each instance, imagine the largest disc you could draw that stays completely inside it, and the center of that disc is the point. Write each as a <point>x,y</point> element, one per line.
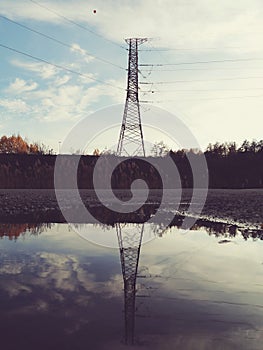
<point>218,101</point>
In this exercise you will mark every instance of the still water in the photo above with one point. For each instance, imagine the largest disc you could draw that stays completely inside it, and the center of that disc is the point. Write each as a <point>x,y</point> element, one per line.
<point>200,289</point>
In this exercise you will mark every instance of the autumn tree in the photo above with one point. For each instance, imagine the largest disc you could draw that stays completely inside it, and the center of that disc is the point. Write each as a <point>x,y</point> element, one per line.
<point>16,144</point>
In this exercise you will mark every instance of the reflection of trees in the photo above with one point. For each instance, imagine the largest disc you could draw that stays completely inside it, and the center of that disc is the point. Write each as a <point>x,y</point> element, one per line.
<point>105,218</point>
<point>13,231</point>
<point>216,228</point>
<point>223,229</point>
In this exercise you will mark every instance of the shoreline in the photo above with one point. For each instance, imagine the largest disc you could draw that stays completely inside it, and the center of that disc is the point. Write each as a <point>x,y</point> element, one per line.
<point>236,207</point>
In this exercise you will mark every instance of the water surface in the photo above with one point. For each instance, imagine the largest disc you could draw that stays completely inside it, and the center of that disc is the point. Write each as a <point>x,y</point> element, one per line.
<point>201,289</point>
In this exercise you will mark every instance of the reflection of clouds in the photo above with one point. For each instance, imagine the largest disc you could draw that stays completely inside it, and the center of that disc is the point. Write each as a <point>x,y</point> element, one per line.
<point>114,287</point>
<point>59,274</point>
<point>65,272</point>
<point>38,305</point>
<point>11,269</point>
<point>14,288</point>
<point>61,287</point>
<point>197,296</point>
<point>57,271</point>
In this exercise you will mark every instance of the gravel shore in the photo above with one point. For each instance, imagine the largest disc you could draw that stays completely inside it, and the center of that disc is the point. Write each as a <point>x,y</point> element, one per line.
<point>233,206</point>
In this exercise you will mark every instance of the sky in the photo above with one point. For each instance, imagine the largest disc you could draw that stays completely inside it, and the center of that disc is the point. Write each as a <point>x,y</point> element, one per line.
<point>205,66</point>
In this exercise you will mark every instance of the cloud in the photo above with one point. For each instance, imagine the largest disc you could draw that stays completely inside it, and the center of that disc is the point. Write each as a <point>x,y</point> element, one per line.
<point>30,11</point>
<point>64,101</point>
<point>62,80</point>
<point>19,86</point>
<point>15,105</point>
<point>41,13</point>
<point>76,48</point>
<point>60,97</point>
<point>45,71</point>
<point>181,23</point>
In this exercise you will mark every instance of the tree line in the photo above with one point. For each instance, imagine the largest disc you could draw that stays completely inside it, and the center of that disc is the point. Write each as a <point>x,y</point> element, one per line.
<point>15,144</point>
<point>25,165</point>
<point>230,166</point>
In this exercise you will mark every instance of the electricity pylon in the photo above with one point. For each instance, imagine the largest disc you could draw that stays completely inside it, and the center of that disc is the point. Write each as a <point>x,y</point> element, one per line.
<point>129,244</point>
<point>131,136</point>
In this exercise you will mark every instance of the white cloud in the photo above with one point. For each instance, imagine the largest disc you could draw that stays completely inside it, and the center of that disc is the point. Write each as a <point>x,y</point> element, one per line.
<point>19,86</point>
<point>63,97</point>
<point>62,80</point>
<point>62,101</point>
<point>22,9</point>
<point>194,23</point>
<point>44,70</point>
<point>29,11</point>
<point>14,105</point>
<point>76,48</point>
<point>184,23</point>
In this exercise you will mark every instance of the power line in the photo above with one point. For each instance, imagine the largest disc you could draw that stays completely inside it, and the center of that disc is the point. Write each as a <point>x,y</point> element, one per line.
<point>199,90</point>
<point>77,24</point>
<point>198,69</point>
<point>191,49</point>
<point>197,80</point>
<point>230,97</point>
<point>57,41</point>
<point>200,62</point>
<point>60,67</point>
<point>205,98</point>
<point>151,69</point>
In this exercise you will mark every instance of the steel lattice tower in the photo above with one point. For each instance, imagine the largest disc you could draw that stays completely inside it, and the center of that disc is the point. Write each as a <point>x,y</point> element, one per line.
<point>130,245</point>
<point>131,137</point>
